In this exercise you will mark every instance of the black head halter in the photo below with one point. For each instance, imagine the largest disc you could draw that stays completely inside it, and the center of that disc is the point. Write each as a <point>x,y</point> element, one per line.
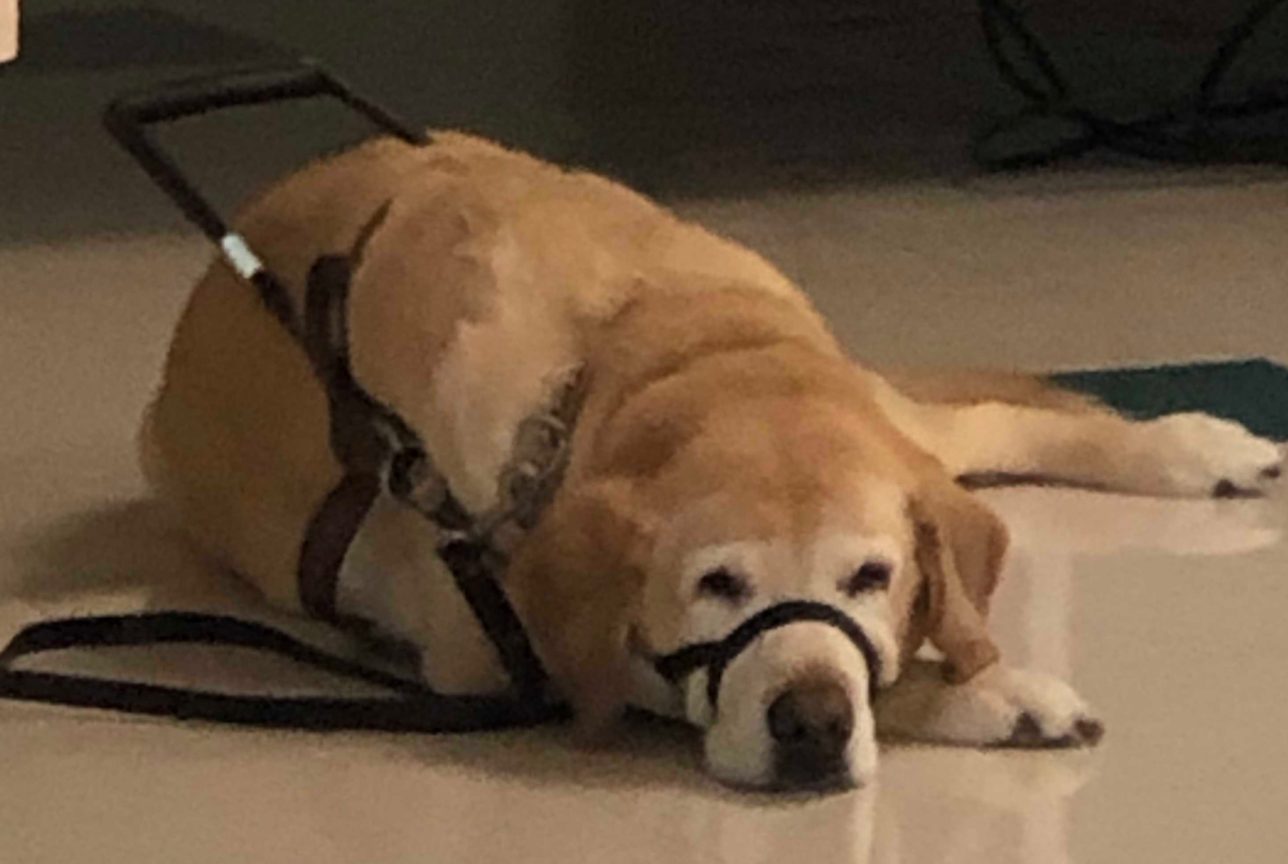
<point>716,655</point>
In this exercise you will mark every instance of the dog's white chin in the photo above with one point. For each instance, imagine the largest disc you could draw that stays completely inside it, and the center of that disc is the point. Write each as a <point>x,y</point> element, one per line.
<point>753,768</point>
<point>739,749</point>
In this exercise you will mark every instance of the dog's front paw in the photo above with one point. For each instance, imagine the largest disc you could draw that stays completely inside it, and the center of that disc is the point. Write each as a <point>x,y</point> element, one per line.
<point>1201,456</point>
<point>1050,714</point>
<point>1000,707</point>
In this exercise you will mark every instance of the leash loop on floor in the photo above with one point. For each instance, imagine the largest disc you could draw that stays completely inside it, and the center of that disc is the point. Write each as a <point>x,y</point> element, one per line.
<point>411,707</point>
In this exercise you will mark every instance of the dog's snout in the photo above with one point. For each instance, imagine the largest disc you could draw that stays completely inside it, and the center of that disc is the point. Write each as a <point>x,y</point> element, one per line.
<point>811,723</point>
<point>815,716</point>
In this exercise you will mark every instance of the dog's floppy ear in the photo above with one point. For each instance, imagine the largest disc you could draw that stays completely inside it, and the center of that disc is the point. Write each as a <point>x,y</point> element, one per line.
<point>960,548</point>
<point>574,581</point>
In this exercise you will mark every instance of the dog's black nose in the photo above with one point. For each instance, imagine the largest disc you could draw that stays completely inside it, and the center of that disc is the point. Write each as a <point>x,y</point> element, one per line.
<point>811,723</point>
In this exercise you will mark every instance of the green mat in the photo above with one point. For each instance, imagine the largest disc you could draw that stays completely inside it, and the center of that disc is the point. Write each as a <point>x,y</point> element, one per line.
<point>1253,392</point>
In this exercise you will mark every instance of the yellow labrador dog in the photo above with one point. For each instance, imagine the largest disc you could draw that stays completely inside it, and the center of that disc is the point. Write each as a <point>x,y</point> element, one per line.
<point>727,458</point>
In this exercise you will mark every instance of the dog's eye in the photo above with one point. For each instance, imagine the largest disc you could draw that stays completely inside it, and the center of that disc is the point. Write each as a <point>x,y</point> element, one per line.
<point>872,576</point>
<point>723,584</point>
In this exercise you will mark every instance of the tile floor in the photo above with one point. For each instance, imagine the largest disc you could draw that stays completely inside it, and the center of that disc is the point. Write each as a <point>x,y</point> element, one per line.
<point>1168,615</point>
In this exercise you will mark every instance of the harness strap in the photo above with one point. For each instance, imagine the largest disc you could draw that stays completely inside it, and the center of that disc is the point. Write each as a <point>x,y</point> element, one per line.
<point>468,562</point>
<point>354,433</point>
<point>329,535</point>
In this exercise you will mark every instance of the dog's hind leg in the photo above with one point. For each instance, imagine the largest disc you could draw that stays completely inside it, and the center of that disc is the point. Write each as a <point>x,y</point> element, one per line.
<point>1053,436</point>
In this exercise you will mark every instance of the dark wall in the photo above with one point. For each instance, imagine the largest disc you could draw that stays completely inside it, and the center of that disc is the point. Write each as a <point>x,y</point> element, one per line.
<point>492,66</point>
<point>677,96</point>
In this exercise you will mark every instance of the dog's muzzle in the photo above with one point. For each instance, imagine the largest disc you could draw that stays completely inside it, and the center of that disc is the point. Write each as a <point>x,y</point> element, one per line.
<point>811,721</point>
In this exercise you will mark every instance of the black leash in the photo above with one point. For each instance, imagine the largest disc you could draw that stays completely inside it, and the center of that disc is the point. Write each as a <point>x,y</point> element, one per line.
<point>1187,132</point>
<point>413,707</point>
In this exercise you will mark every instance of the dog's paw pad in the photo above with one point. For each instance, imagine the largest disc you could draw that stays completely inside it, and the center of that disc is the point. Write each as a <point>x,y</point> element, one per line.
<point>1226,489</point>
<point>1026,732</point>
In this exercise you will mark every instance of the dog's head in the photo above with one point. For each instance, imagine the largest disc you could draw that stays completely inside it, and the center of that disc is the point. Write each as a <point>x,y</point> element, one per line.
<point>701,525</point>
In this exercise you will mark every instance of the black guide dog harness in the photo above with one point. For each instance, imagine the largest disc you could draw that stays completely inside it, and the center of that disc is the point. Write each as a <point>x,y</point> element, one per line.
<point>379,454</point>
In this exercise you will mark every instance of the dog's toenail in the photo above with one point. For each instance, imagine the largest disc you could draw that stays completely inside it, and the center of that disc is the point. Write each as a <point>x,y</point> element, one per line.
<point>1225,489</point>
<point>1090,731</point>
<point>1272,473</point>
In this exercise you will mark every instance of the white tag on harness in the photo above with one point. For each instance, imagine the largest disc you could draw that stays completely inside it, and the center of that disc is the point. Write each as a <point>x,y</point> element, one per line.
<point>238,254</point>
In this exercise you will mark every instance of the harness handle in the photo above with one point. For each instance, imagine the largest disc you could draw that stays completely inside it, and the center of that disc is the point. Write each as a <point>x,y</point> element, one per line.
<point>128,119</point>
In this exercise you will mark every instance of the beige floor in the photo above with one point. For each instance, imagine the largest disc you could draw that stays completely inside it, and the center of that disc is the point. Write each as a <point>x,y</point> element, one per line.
<point>1167,615</point>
